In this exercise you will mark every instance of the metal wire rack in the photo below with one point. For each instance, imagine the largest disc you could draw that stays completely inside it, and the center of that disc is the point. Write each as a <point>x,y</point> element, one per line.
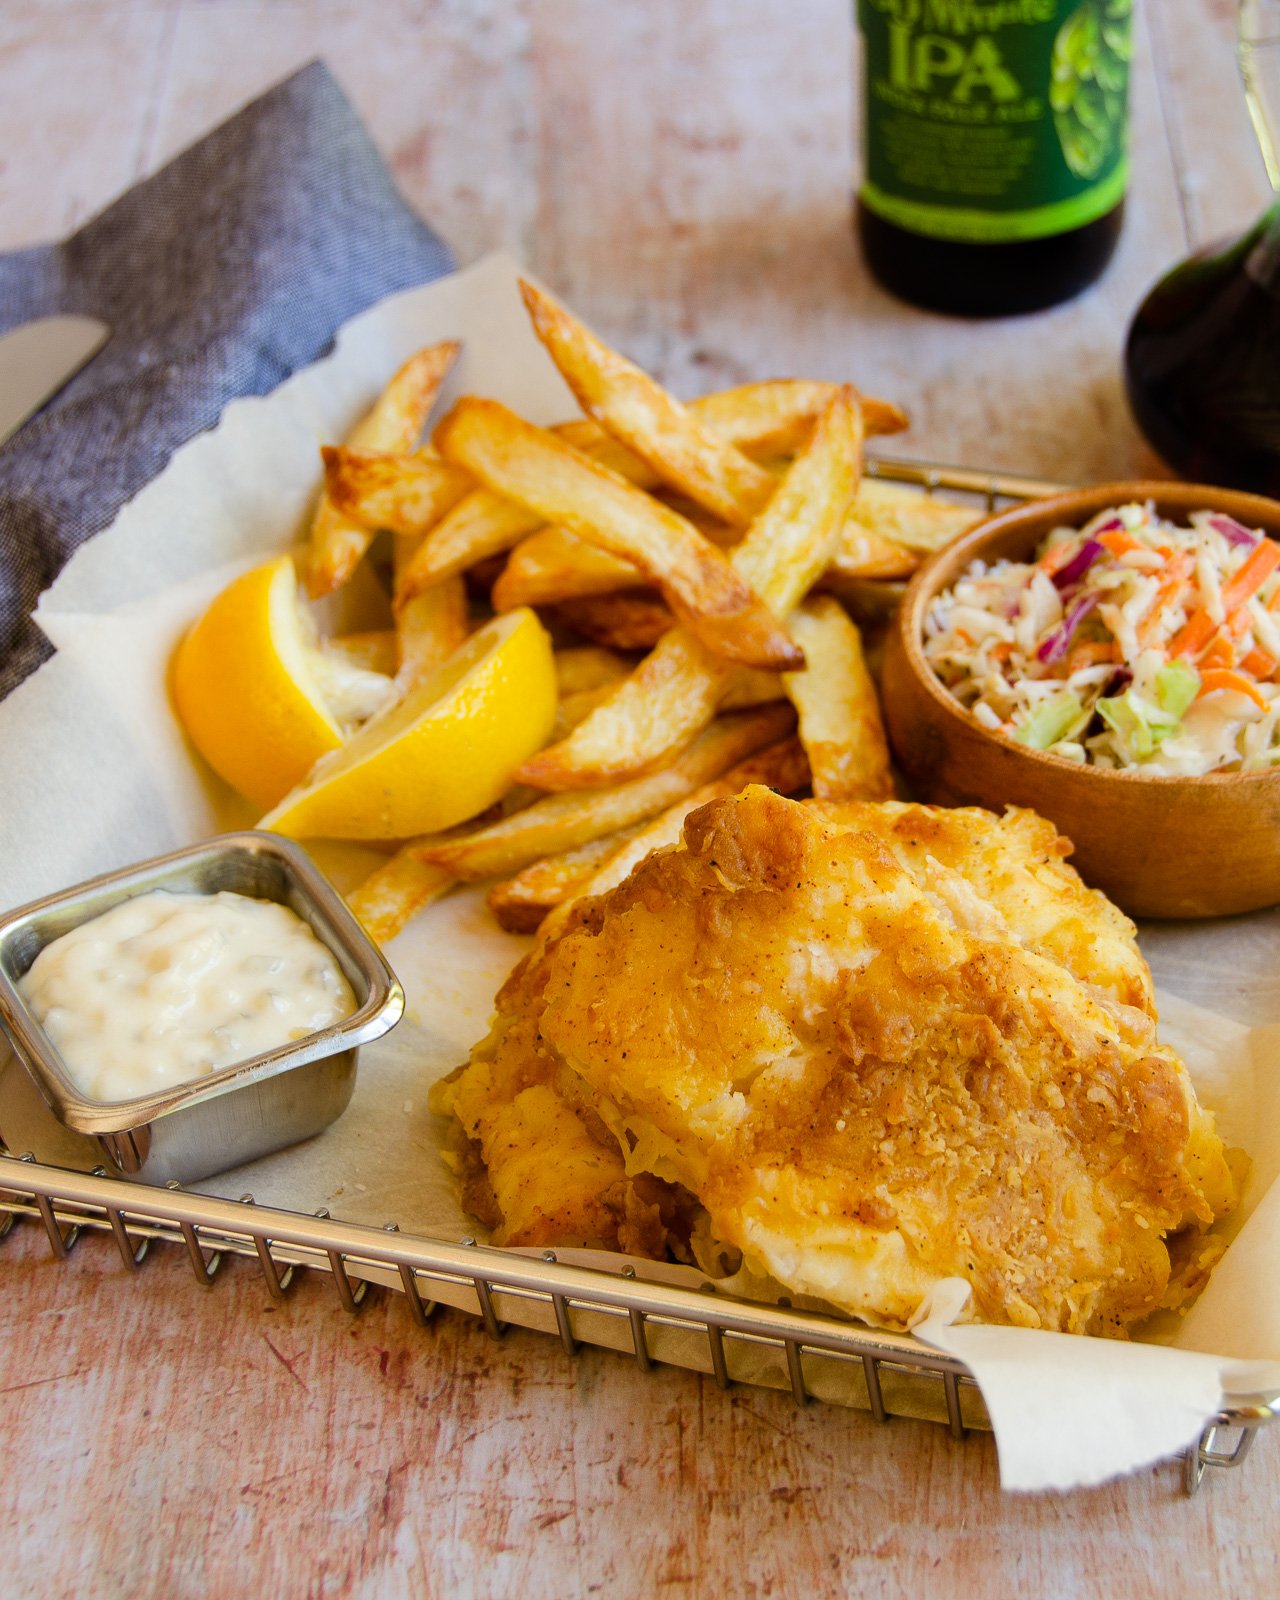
<point>813,1355</point>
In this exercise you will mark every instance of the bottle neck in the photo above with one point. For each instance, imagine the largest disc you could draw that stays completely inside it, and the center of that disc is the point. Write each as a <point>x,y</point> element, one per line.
<point>1262,250</point>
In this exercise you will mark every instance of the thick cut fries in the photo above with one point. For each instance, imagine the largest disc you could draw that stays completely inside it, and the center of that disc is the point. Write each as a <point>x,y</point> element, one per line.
<point>531,465</point>
<point>520,903</point>
<point>864,553</point>
<point>633,619</point>
<point>910,517</point>
<point>394,892</point>
<point>397,418</point>
<point>840,725</point>
<point>404,493</point>
<point>431,626</point>
<point>676,689</point>
<point>560,822</point>
<point>772,418</point>
<point>552,565</point>
<point>588,666</point>
<point>627,401</point>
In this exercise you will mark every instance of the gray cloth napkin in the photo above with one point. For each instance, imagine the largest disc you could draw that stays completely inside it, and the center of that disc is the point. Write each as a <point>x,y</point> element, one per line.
<point>219,276</point>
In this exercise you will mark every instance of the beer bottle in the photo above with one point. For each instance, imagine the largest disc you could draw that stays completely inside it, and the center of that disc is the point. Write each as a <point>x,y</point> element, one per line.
<point>994,148</point>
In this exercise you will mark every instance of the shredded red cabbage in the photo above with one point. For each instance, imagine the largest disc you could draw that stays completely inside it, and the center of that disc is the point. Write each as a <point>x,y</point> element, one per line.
<point>1232,531</point>
<point>1059,641</point>
<point>1079,564</point>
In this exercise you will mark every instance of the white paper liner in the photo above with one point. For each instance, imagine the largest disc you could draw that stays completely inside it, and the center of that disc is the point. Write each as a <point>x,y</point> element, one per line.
<point>97,774</point>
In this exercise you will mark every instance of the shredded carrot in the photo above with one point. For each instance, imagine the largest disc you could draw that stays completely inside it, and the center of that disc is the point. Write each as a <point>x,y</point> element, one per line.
<point>1171,589</point>
<point>1001,651</point>
<point>1090,654</point>
<point>1262,561</point>
<point>1056,557</point>
<point>1219,652</point>
<point>1223,678</point>
<point>1193,635</point>
<point>1120,544</point>
<point>1261,663</point>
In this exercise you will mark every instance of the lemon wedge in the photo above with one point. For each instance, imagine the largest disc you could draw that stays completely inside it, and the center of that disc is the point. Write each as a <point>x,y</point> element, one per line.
<point>444,752</point>
<point>247,687</point>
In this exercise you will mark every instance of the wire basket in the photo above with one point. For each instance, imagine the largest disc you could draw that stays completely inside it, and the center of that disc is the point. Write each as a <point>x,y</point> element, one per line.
<point>815,1356</point>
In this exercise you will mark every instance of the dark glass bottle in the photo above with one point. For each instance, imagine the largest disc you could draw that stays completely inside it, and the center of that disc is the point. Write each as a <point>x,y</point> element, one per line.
<point>1202,363</point>
<point>995,149</point>
<point>987,280</point>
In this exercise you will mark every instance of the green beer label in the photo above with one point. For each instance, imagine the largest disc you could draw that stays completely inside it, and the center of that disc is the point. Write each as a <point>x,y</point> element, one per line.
<point>994,120</point>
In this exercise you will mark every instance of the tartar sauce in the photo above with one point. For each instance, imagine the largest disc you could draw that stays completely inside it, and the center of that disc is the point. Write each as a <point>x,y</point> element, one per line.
<point>168,987</point>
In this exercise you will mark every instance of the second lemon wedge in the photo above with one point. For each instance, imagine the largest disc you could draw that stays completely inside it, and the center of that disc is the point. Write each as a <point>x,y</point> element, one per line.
<point>444,752</point>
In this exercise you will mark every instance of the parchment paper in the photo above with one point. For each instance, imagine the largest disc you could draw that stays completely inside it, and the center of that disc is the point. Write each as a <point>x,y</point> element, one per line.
<point>96,773</point>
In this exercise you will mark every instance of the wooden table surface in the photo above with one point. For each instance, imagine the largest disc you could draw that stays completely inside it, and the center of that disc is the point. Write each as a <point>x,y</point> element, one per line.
<point>681,174</point>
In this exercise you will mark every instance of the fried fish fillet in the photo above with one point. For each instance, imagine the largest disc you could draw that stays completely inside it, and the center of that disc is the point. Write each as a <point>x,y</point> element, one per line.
<point>868,1047</point>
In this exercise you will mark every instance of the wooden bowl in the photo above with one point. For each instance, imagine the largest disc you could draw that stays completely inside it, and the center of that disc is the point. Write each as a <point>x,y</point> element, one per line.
<point>1160,847</point>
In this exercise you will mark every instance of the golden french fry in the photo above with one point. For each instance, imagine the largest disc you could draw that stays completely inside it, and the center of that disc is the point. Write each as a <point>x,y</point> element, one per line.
<point>552,565</point>
<point>429,628</point>
<point>393,425</point>
<point>561,822</point>
<point>633,619</point>
<point>911,517</point>
<point>520,903</point>
<point>676,689</point>
<point>588,666</point>
<point>748,686</point>
<point>625,400</point>
<point>395,891</point>
<point>533,466</point>
<point>405,493</point>
<point>374,651</point>
<point>864,553</point>
<point>768,419</point>
<point>776,418</point>
<point>840,725</point>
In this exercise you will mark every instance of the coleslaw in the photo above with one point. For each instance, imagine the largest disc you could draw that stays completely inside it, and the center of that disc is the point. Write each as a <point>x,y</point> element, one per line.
<point>1131,643</point>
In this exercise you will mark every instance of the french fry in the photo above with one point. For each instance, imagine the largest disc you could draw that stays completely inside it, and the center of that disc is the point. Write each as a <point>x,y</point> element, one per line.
<point>429,628</point>
<point>676,689</point>
<point>776,418</point>
<point>407,494</point>
<point>909,517</point>
<point>588,667</point>
<point>840,725</point>
<point>561,822</point>
<point>394,892</point>
<point>772,418</point>
<point>633,619</point>
<point>552,565</point>
<point>529,464</point>
<point>393,425</point>
<point>677,446</point>
<point>374,651</point>
<point>520,903</point>
<point>864,553</point>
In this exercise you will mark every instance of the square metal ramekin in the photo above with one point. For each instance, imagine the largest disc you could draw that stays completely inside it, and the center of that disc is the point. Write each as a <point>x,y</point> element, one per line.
<point>250,1108</point>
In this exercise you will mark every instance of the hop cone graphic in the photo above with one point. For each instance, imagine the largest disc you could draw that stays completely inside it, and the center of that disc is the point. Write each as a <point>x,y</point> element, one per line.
<point>1087,82</point>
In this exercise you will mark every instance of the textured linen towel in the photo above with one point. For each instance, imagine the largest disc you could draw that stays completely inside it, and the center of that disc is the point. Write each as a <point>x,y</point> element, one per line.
<point>219,276</point>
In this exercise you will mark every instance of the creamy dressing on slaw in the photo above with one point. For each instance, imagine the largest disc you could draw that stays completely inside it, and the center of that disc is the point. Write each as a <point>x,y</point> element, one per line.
<point>168,987</point>
<point>1132,643</point>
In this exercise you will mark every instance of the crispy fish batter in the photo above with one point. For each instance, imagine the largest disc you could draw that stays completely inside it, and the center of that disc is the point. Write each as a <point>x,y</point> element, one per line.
<point>866,1046</point>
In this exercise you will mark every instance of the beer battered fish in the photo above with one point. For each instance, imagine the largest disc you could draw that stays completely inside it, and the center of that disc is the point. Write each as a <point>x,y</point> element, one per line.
<point>865,1046</point>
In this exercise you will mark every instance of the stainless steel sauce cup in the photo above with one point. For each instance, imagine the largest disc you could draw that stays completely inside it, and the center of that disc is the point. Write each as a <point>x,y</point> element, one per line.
<point>187,1131</point>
